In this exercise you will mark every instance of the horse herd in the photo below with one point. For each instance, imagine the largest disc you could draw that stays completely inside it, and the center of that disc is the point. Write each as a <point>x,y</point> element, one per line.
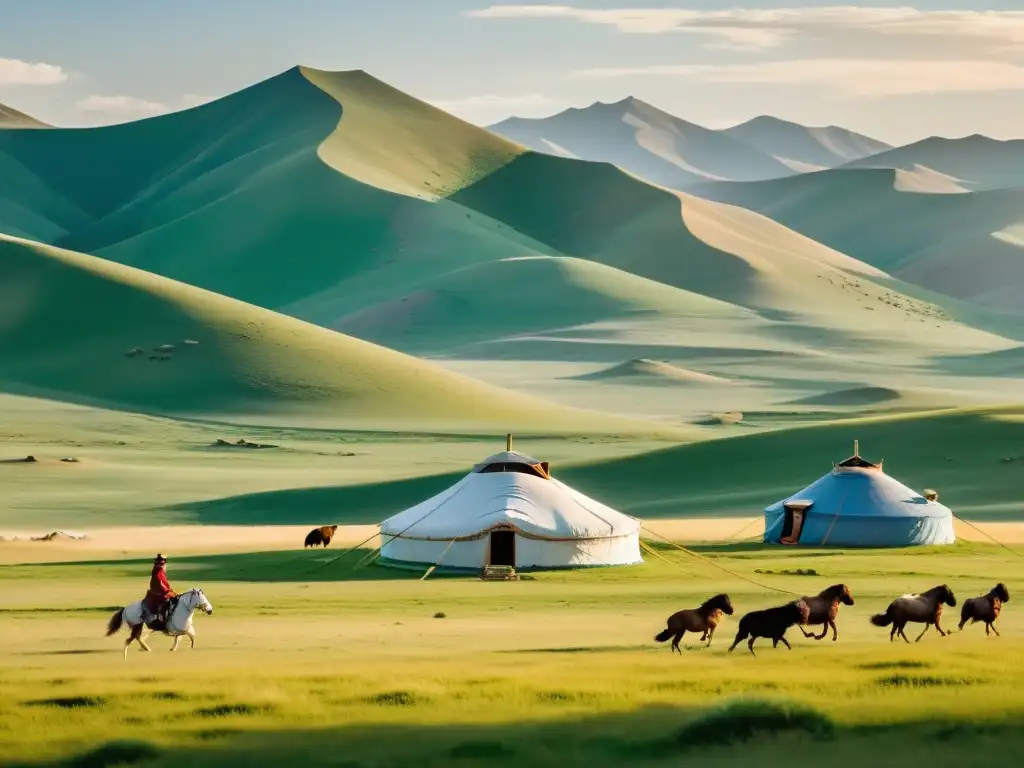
<point>823,608</point>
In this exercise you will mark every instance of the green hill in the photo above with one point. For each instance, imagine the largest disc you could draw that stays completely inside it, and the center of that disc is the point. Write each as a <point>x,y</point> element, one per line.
<point>523,295</point>
<point>971,457</point>
<point>919,237</point>
<point>78,328</point>
<point>338,200</point>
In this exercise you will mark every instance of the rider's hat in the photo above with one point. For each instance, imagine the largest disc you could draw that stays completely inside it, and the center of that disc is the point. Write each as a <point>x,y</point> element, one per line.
<point>160,559</point>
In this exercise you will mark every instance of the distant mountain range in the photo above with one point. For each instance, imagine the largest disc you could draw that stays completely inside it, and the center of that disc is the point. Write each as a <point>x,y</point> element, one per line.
<point>644,140</point>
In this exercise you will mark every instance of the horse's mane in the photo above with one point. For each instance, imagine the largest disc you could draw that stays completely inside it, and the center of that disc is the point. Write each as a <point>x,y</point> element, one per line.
<point>834,591</point>
<point>1000,591</point>
<point>712,600</point>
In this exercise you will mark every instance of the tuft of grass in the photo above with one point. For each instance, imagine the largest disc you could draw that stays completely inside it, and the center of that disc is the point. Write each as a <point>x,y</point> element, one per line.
<point>924,681</point>
<point>69,702</point>
<point>440,615</point>
<point>740,721</point>
<point>230,710</point>
<point>788,572</point>
<point>905,664</point>
<point>397,699</point>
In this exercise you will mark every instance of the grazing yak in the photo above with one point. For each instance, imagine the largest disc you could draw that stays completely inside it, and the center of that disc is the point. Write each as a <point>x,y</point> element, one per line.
<point>321,535</point>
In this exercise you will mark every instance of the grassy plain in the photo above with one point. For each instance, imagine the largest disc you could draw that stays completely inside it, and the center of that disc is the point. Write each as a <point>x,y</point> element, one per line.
<point>310,660</point>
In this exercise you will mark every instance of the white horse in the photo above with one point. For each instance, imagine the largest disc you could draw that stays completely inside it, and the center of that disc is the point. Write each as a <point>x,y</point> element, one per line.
<point>179,623</point>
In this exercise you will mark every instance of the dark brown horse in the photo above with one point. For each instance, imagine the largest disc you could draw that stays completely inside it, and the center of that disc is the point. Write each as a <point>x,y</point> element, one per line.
<point>985,608</point>
<point>703,619</point>
<point>771,622</point>
<point>925,608</point>
<point>825,607</point>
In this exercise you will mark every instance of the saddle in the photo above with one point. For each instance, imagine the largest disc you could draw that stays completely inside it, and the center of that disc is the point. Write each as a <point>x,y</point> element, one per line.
<point>157,622</point>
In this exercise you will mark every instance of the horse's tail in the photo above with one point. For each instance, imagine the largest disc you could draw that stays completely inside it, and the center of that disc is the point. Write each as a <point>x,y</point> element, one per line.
<point>114,625</point>
<point>662,636</point>
<point>883,619</point>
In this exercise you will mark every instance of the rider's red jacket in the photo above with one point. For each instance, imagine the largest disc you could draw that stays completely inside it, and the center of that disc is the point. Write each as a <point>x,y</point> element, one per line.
<point>159,588</point>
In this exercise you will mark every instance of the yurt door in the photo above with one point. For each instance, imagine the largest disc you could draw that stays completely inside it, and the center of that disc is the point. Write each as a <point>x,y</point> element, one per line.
<point>793,524</point>
<point>503,548</point>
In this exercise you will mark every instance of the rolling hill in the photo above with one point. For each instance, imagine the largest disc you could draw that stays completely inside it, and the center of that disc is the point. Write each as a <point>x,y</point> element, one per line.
<point>919,237</point>
<point>12,118</point>
<point>645,141</point>
<point>975,162</point>
<point>335,199</point>
<point>78,328</point>
<point>805,148</point>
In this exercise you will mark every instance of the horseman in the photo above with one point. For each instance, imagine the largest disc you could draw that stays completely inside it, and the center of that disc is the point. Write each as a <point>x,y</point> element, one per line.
<point>158,600</point>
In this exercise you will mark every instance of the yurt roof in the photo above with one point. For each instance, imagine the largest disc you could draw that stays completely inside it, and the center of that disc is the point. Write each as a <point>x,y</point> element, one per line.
<point>534,506</point>
<point>863,492</point>
<point>507,457</point>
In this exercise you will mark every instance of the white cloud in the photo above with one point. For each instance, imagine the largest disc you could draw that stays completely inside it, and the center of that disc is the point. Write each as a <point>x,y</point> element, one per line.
<point>758,29</point>
<point>121,107</point>
<point>492,101</point>
<point>15,72</point>
<point>850,77</point>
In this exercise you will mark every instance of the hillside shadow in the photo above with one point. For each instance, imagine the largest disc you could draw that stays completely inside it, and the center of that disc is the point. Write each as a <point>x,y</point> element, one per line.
<point>343,505</point>
<point>753,733</point>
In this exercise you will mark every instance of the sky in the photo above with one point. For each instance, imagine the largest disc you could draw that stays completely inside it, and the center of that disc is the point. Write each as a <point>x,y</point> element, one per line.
<point>896,72</point>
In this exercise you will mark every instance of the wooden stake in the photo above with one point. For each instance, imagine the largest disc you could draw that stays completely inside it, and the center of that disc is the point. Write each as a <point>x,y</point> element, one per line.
<point>856,447</point>
<point>508,443</point>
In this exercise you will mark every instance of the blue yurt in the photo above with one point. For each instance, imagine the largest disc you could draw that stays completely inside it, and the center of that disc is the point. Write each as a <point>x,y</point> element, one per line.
<point>858,505</point>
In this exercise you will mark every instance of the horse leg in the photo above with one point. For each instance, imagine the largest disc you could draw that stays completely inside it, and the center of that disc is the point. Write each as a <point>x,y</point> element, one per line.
<point>992,624</point>
<point>142,642</point>
<point>131,639</point>
<point>785,642</point>
<point>710,633</point>
<point>824,631</point>
<point>835,632</point>
<point>892,632</point>
<point>904,634</point>
<point>926,628</point>
<point>806,633</point>
<point>740,637</point>
<point>676,640</point>
<point>938,626</point>
<point>775,642</point>
<point>750,645</point>
<point>174,645</point>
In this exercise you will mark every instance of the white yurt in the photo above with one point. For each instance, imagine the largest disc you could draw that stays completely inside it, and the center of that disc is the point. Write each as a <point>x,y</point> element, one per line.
<point>510,511</point>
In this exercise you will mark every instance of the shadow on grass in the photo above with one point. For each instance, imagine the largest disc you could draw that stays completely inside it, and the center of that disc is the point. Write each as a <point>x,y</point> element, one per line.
<point>766,732</point>
<point>302,565</point>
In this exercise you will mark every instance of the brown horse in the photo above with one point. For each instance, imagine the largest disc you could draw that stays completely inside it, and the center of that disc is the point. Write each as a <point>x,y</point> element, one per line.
<point>771,622</point>
<point>925,608</point>
<point>824,609</point>
<point>985,608</point>
<point>703,619</point>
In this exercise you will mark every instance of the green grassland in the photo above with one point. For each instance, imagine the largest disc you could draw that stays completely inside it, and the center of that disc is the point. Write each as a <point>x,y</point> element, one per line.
<point>307,658</point>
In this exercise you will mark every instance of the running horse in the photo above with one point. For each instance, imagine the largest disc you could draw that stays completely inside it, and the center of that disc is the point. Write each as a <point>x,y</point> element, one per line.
<point>925,608</point>
<point>825,608</point>
<point>703,619</point>
<point>179,621</point>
